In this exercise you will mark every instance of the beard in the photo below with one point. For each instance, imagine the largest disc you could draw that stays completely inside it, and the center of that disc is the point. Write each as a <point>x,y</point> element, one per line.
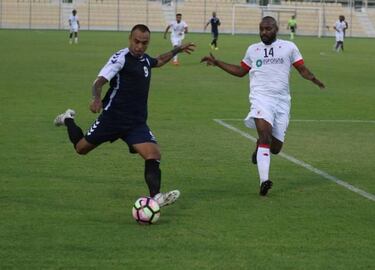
<point>268,40</point>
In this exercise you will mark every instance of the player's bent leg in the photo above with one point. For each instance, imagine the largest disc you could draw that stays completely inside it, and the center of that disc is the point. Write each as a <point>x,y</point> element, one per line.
<point>264,130</point>
<point>254,155</point>
<point>83,147</point>
<point>276,146</point>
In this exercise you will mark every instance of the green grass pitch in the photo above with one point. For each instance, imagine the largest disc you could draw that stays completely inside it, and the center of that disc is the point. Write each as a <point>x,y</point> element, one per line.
<point>59,210</point>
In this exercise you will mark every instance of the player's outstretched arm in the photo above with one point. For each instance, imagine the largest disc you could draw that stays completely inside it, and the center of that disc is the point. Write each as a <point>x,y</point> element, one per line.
<point>96,102</point>
<point>306,73</point>
<point>231,69</point>
<point>166,57</point>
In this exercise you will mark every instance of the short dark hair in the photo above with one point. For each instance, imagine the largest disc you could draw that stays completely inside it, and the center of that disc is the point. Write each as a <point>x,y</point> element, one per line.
<point>141,27</point>
<point>178,14</point>
<point>269,18</point>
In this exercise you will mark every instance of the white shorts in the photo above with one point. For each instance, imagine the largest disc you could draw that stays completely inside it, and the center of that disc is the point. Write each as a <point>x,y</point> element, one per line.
<point>339,36</point>
<point>274,112</point>
<point>73,29</point>
<point>176,41</point>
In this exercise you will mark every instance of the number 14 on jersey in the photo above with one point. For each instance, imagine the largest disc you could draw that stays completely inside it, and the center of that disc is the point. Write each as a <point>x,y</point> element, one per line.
<point>270,52</point>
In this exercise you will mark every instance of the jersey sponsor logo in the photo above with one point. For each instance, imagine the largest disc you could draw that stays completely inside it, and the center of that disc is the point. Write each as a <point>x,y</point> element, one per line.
<point>269,61</point>
<point>146,71</point>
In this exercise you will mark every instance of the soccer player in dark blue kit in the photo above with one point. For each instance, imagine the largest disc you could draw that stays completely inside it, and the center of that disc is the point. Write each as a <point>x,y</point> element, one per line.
<point>124,108</point>
<point>215,23</point>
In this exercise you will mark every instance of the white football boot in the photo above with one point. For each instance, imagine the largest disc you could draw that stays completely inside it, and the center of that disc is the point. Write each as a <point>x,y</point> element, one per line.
<point>59,120</point>
<point>164,199</point>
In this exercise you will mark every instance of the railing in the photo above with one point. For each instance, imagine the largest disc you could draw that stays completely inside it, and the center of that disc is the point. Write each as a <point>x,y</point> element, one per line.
<point>121,15</point>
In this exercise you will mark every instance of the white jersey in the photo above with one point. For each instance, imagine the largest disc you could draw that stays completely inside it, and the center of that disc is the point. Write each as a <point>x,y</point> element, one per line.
<point>340,26</point>
<point>269,67</point>
<point>178,29</point>
<point>73,20</point>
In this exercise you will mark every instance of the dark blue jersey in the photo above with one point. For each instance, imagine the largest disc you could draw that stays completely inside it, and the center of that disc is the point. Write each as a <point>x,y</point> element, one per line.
<point>215,22</point>
<point>126,100</point>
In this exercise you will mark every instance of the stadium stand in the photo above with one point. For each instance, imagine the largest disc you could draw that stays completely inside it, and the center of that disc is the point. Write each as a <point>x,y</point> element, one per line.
<point>314,18</point>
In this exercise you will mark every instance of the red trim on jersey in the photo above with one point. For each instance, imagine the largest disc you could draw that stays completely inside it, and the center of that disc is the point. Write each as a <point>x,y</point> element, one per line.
<point>245,66</point>
<point>264,145</point>
<point>298,63</point>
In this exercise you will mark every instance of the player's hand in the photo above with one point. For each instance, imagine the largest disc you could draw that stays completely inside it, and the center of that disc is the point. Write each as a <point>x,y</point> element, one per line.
<point>96,105</point>
<point>319,83</point>
<point>210,60</point>
<point>188,47</point>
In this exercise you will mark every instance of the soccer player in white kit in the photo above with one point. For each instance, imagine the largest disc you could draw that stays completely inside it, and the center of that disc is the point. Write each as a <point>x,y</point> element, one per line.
<point>268,63</point>
<point>340,26</point>
<point>74,26</point>
<point>179,29</point>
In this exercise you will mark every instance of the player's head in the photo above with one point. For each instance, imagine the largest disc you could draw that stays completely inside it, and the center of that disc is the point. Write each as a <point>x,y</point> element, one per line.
<point>342,18</point>
<point>268,30</point>
<point>74,12</point>
<point>293,17</point>
<point>139,39</point>
<point>178,17</point>
<point>213,14</point>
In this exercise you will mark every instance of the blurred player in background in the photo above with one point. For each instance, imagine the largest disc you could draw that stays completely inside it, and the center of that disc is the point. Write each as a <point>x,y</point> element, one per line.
<point>292,26</point>
<point>215,23</point>
<point>340,26</point>
<point>179,29</point>
<point>269,63</point>
<point>74,27</point>
<point>124,108</point>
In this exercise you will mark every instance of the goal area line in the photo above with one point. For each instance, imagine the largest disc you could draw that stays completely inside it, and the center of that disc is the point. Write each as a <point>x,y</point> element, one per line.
<point>301,163</point>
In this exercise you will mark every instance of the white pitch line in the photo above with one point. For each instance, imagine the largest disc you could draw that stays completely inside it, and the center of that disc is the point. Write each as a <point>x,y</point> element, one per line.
<point>317,120</point>
<point>304,164</point>
<point>334,121</point>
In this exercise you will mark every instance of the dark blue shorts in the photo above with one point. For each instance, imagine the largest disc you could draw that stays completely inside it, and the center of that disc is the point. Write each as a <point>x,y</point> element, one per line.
<point>215,34</point>
<point>105,130</point>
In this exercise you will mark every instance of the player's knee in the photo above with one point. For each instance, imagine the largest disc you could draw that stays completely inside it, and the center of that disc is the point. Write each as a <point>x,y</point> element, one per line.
<point>155,156</point>
<point>275,150</point>
<point>81,151</point>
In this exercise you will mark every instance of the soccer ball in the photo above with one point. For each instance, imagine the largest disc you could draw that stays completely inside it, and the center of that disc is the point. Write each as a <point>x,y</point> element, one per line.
<point>146,210</point>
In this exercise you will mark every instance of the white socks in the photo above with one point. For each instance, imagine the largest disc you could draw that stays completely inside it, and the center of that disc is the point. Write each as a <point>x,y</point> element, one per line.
<point>264,160</point>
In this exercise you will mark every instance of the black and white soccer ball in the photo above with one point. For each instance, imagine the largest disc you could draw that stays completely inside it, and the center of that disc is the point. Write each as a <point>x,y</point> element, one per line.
<point>146,210</point>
